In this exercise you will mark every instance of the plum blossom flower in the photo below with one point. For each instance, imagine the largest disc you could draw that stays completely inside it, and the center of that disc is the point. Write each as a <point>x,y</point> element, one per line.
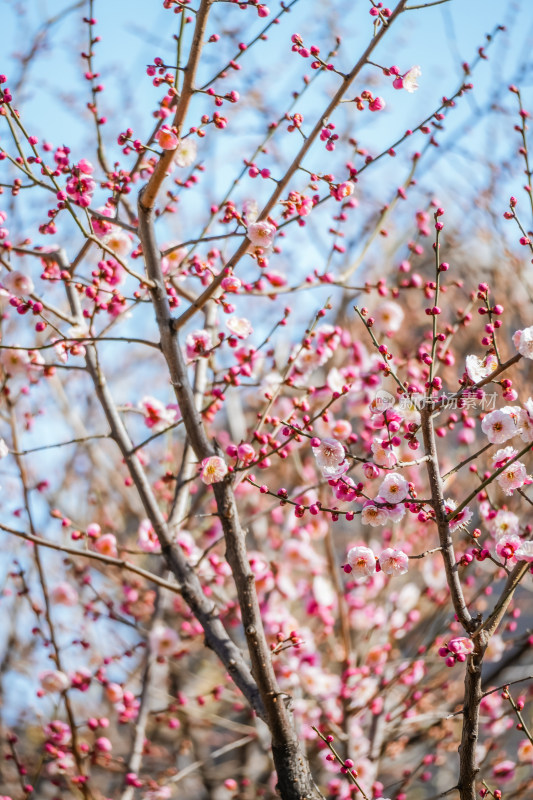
<point>408,81</point>
<point>186,152</point>
<point>330,458</point>
<point>388,317</point>
<point>14,361</point>
<point>507,546</point>
<point>498,426</point>
<point>523,341</point>
<point>167,138</point>
<point>147,539</point>
<point>345,489</point>
<point>373,515</point>
<point>118,241</point>
<point>18,283</point>
<point>525,751</point>
<point>198,343</point>
<point>505,522</point>
<point>156,415</point>
<point>383,456</point>
<point>503,455</point>
<point>58,732</point>
<point>462,518</point>
<point>79,187</point>
<point>525,552</point>
<point>393,561</point>
<point>240,326</point>
<point>362,561</point>
<point>64,594</point>
<point>478,369</point>
<point>163,640</point>
<point>53,680</point>
<point>171,261</point>
<point>261,234</point>
<point>214,469</point>
<point>514,476</point>
<point>460,645</point>
<point>107,545</point>
<point>525,421</point>
<point>395,513</point>
<point>394,488</point>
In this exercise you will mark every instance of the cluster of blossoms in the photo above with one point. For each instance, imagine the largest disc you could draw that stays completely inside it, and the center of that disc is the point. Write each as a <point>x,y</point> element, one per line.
<point>456,650</point>
<point>362,562</point>
<point>80,186</point>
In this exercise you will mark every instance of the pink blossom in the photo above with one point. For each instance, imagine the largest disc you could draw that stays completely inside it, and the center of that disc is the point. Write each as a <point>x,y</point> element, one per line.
<point>147,538</point>
<point>261,234</point>
<point>394,488</point>
<point>58,732</point>
<point>14,361</point>
<point>503,455</point>
<point>342,190</point>
<point>460,519</point>
<point>460,645</point>
<point>525,751</point>
<point>100,226</point>
<point>377,104</point>
<point>498,426</point>
<point>114,692</point>
<point>514,476</point>
<point>341,429</point>
<point>505,522</point>
<point>118,241</point>
<point>408,80</point>
<point>167,138</point>
<point>18,283</point>
<point>174,259</point>
<point>53,680</point>
<point>198,343</point>
<point>214,469</point>
<point>383,456</point>
<point>507,545</point>
<point>523,341</point>
<point>525,552</point>
<point>64,594</point>
<point>388,317</point>
<point>345,489</point>
<point>156,415</point>
<point>330,458</point>
<point>525,421</point>
<point>362,561</point>
<point>240,326</point>
<point>163,640</point>
<point>107,545</point>
<point>393,562</point>
<point>373,515</point>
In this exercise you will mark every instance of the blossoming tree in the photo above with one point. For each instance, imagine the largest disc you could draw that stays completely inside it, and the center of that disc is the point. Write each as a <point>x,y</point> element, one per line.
<point>265,493</point>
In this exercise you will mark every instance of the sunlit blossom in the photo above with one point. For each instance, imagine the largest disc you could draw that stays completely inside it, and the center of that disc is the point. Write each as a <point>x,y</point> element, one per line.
<point>261,234</point>
<point>525,552</point>
<point>330,458</point>
<point>18,283</point>
<point>362,561</point>
<point>186,152</point>
<point>388,317</point>
<point>373,515</point>
<point>477,369</point>
<point>514,476</point>
<point>394,488</point>
<point>393,561</point>
<point>214,469</point>
<point>498,426</point>
<point>240,326</point>
<point>523,341</point>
